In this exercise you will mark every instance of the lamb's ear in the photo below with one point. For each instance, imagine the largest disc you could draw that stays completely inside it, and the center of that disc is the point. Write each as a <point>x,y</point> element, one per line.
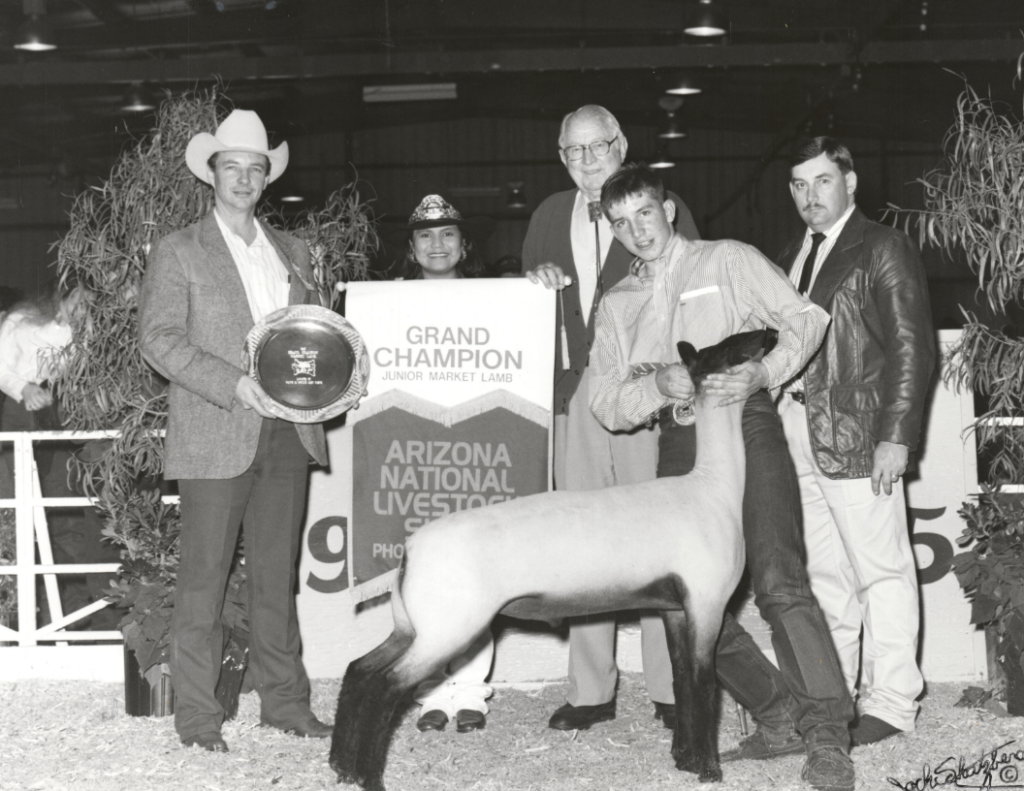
<point>687,353</point>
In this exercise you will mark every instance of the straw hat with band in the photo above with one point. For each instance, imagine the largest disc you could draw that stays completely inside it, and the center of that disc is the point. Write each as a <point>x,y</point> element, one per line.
<point>242,130</point>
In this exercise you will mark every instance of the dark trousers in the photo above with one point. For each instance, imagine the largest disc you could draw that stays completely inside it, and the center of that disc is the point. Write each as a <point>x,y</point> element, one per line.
<point>807,691</point>
<point>268,501</point>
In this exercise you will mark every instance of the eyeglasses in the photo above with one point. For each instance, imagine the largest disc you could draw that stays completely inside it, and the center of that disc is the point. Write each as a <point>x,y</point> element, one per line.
<point>598,148</point>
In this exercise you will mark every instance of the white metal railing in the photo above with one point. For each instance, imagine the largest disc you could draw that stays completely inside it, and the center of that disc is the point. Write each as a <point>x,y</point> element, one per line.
<point>32,532</point>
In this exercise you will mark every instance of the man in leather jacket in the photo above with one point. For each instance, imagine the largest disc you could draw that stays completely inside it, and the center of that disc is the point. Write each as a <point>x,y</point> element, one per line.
<point>853,421</point>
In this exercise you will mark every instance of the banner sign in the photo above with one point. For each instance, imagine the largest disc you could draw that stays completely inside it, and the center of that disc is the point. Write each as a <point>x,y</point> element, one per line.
<point>458,408</point>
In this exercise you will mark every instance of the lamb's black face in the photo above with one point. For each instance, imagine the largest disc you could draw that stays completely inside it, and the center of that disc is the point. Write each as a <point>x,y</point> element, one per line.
<point>734,350</point>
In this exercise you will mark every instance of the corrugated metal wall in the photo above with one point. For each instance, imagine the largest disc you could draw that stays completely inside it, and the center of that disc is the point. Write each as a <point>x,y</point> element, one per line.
<point>33,216</point>
<point>464,158</point>
<point>402,164</point>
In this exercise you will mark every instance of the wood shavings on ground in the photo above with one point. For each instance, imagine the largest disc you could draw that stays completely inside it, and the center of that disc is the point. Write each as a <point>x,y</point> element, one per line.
<point>74,736</point>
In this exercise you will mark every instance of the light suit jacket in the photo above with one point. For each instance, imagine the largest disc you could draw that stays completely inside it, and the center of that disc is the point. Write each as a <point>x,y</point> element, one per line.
<point>193,320</point>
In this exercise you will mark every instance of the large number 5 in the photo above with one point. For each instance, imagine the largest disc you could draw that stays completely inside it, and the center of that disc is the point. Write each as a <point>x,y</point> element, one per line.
<point>942,549</point>
<point>316,540</point>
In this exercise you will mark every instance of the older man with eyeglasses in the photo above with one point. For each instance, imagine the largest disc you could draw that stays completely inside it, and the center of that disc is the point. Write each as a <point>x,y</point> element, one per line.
<point>570,247</point>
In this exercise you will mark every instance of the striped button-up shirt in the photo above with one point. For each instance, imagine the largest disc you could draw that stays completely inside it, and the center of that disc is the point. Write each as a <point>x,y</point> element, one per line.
<point>700,292</point>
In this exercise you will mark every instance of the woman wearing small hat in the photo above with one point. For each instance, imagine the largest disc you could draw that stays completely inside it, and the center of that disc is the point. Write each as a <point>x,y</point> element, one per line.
<point>441,242</point>
<point>440,247</point>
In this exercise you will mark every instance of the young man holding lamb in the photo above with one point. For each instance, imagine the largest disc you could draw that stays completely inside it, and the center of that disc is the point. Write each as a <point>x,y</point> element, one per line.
<point>702,292</point>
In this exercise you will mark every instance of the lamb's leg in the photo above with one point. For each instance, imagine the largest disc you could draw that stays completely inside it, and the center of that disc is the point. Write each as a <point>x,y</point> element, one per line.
<point>691,642</point>
<point>384,693</point>
<point>357,691</point>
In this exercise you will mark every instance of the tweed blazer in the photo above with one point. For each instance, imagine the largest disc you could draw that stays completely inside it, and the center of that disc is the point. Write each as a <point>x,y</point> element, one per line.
<point>193,320</point>
<point>548,239</point>
<point>869,380</point>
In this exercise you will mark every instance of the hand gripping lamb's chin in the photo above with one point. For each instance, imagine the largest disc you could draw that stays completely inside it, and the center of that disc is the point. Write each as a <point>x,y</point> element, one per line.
<point>559,554</point>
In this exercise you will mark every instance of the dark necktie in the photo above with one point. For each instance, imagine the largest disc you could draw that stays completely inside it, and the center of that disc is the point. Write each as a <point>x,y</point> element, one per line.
<point>594,208</point>
<point>808,270</point>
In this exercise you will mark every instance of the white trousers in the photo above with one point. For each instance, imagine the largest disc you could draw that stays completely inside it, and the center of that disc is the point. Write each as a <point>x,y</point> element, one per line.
<point>862,571</point>
<point>588,456</point>
<point>462,684</point>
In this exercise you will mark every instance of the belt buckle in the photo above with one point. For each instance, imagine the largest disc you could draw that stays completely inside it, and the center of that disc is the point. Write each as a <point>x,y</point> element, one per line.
<point>683,414</point>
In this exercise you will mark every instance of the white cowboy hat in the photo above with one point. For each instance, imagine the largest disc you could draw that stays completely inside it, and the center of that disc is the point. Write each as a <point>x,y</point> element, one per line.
<point>242,130</point>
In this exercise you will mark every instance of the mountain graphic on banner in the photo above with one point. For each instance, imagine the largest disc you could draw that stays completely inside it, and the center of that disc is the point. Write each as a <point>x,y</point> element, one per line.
<point>414,461</point>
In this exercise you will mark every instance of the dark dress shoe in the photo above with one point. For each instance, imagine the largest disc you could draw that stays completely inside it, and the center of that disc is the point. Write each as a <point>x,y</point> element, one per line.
<point>579,718</point>
<point>313,729</point>
<point>666,712</point>
<point>211,741</point>
<point>870,729</point>
<point>467,720</point>
<point>433,720</point>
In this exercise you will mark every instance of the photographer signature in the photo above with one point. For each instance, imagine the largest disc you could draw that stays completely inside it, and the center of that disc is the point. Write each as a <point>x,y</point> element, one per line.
<point>993,769</point>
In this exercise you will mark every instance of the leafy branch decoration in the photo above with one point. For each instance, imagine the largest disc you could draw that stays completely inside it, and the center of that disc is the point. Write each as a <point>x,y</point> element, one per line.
<point>974,207</point>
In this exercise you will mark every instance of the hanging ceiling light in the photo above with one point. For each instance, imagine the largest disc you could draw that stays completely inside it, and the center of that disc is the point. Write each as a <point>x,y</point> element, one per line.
<point>138,99</point>
<point>707,19</point>
<point>35,34</point>
<point>289,192</point>
<point>661,162</point>
<point>516,197</point>
<point>673,129</point>
<point>683,86</point>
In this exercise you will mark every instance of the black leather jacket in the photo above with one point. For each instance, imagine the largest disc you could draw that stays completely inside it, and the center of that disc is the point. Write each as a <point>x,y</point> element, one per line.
<point>869,380</point>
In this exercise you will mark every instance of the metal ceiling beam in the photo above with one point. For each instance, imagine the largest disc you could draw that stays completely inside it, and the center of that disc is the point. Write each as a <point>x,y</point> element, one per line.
<point>396,64</point>
<point>105,11</point>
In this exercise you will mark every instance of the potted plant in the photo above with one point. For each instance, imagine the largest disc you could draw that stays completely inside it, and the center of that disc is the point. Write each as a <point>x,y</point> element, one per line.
<point>991,573</point>
<point>974,209</point>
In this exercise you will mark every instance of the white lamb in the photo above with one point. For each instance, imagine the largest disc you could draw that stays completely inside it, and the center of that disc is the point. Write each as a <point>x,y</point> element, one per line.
<point>672,544</point>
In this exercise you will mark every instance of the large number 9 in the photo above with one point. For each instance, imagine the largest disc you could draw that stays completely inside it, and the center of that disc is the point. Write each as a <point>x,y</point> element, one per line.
<point>319,548</point>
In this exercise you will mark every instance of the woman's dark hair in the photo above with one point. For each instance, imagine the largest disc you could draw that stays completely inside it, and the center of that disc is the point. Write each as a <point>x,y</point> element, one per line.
<point>471,264</point>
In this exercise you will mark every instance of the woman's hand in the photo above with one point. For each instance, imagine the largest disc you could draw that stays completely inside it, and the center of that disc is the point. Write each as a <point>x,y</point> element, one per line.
<point>35,397</point>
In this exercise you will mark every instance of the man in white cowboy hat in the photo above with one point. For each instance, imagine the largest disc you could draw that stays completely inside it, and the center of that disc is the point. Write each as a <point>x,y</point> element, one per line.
<point>205,287</point>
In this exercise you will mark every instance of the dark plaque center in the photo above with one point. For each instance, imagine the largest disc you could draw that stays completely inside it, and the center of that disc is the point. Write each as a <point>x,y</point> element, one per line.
<point>304,365</point>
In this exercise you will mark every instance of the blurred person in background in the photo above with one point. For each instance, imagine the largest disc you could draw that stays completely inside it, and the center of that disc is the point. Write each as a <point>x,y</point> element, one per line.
<point>507,266</point>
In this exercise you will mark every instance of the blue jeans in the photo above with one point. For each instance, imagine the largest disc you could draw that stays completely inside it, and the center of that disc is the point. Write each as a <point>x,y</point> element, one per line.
<point>807,691</point>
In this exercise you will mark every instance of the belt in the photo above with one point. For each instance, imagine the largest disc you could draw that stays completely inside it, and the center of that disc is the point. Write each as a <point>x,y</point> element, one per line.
<point>798,396</point>
<point>676,414</point>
